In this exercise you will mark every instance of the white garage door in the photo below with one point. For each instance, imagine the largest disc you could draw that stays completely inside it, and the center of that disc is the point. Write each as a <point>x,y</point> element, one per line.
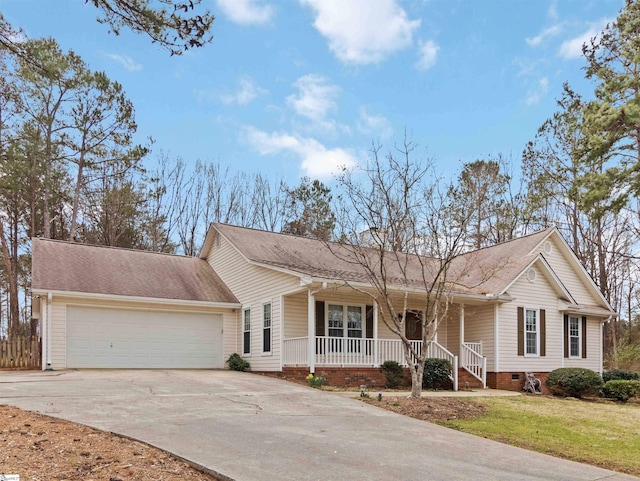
<point>119,338</point>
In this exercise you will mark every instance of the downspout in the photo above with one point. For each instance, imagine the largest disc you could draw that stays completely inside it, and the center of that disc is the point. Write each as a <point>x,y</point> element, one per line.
<point>49,314</point>
<point>602,323</point>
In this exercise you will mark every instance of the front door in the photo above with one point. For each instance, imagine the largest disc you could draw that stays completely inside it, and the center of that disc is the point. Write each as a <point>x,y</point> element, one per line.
<point>413,325</point>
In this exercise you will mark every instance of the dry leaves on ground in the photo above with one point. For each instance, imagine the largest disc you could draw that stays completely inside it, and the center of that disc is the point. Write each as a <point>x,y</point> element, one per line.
<point>39,447</point>
<point>429,408</point>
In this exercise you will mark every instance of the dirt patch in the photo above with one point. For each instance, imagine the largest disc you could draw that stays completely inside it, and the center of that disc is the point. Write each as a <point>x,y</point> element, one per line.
<point>39,447</point>
<point>429,409</point>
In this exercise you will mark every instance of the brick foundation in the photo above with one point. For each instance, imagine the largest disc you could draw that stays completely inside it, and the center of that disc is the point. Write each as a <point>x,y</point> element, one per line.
<point>372,377</point>
<point>466,380</point>
<point>504,380</point>
<point>343,376</point>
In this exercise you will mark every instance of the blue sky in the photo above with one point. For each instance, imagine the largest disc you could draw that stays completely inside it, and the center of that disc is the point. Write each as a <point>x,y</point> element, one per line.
<point>296,88</point>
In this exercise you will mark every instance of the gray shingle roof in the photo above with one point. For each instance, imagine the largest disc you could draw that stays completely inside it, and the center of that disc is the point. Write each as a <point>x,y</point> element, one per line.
<point>66,266</point>
<point>484,271</point>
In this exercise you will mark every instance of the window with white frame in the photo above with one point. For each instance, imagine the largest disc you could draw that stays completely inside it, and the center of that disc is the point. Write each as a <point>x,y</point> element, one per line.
<point>531,333</point>
<point>339,316</point>
<point>266,327</point>
<point>574,337</point>
<point>246,331</point>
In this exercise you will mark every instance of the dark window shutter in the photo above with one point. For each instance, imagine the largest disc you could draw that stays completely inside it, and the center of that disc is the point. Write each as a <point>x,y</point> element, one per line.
<point>584,337</point>
<point>266,340</point>
<point>320,331</point>
<point>369,326</point>
<point>543,332</point>
<point>566,335</point>
<point>520,331</point>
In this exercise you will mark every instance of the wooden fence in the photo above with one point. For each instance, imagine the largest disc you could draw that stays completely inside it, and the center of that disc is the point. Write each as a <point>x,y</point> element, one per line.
<point>20,352</point>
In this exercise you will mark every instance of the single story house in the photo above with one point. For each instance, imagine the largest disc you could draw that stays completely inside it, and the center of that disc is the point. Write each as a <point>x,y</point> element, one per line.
<point>289,304</point>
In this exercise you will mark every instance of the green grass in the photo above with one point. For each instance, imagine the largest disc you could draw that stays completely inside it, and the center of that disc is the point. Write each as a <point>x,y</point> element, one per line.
<point>602,434</point>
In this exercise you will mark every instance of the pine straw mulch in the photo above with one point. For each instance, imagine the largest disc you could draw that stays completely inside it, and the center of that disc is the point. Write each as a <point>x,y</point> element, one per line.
<point>40,448</point>
<point>430,409</point>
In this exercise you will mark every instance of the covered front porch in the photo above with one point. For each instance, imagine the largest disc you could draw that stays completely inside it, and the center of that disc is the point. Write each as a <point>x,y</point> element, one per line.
<point>344,331</point>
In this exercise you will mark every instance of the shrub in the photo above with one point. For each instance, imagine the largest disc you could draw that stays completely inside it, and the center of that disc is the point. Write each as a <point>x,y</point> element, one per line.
<point>315,381</point>
<point>436,373</point>
<point>236,363</point>
<point>621,389</point>
<point>394,374</point>
<point>620,374</point>
<point>573,381</point>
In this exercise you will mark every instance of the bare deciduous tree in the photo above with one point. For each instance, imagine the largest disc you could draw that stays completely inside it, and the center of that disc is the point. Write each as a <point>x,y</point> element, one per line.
<point>396,224</point>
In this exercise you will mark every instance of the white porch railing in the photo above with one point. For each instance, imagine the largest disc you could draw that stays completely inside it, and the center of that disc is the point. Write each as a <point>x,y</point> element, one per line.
<point>295,351</point>
<point>473,361</point>
<point>341,351</point>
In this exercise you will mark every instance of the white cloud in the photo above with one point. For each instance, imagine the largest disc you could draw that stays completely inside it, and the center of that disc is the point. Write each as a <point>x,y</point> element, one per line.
<point>363,32</point>
<point>316,97</point>
<point>572,48</point>
<point>246,12</point>
<point>247,92</point>
<point>317,161</point>
<point>377,125</point>
<point>428,53</point>
<point>552,12</point>
<point>535,94</point>
<point>542,36</point>
<point>126,61</point>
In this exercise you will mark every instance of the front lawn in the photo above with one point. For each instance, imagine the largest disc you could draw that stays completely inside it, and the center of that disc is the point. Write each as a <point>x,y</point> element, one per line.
<point>599,433</point>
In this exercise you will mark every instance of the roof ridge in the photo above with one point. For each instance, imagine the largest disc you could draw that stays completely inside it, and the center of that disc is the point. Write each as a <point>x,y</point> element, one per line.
<point>129,249</point>
<point>511,240</point>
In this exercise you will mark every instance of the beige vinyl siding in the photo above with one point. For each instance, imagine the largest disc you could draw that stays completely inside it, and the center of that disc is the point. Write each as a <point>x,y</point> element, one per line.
<point>254,286</point>
<point>452,331</point>
<point>295,315</point>
<point>569,275</point>
<point>478,326</point>
<point>593,348</point>
<point>59,323</point>
<point>533,295</point>
<point>58,334</point>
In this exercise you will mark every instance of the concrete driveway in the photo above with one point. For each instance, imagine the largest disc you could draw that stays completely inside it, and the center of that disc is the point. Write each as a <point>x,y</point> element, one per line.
<point>249,428</point>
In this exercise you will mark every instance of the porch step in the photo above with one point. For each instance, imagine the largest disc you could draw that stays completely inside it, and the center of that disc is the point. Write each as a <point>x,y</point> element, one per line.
<point>464,377</point>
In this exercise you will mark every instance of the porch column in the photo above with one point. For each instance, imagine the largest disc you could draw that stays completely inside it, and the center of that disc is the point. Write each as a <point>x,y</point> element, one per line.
<point>375,335</point>
<point>311,309</point>
<point>462,357</point>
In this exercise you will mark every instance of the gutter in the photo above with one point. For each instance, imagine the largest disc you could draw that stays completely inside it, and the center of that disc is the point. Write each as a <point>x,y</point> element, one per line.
<point>155,300</point>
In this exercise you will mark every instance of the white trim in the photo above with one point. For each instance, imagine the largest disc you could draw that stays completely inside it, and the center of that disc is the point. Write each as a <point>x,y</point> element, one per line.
<point>262,328</point>
<point>496,334</point>
<point>558,283</point>
<point>601,347</point>
<point>281,327</point>
<point>563,244</point>
<point>375,334</point>
<point>242,318</point>
<point>537,331</point>
<point>311,331</point>
<point>580,334</point>
<point>155,300</point>
<point>345,319</point>
<point>49,329</point>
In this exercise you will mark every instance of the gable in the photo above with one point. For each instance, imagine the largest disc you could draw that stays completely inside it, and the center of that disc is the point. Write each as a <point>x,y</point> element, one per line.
<point>570,272</point>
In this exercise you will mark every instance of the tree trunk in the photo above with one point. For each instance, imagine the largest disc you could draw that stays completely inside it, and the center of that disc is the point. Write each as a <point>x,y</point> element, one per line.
<point>14,310</point>
<point>76,196</point>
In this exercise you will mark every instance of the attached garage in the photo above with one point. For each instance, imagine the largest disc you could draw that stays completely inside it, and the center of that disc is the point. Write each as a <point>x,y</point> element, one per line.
<point>122,338</point>
<point>111,308</point>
